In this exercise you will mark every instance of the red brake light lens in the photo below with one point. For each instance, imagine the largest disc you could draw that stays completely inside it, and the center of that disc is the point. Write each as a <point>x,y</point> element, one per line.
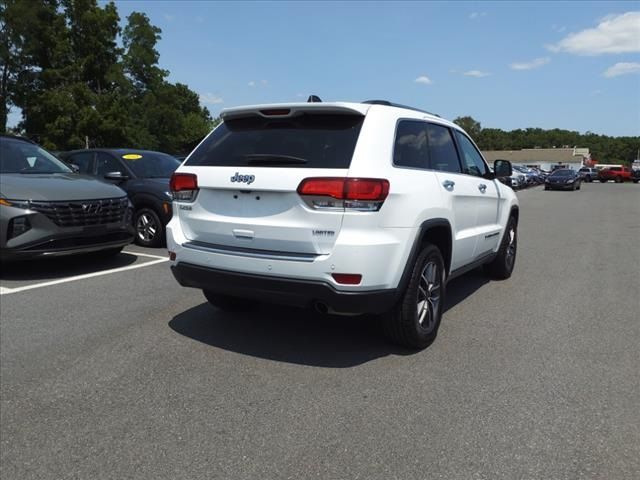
<point>347,278</point>
<point>183,186</point>
<point>375,189</point>
<point>275,112</point>
<point>183,181</point>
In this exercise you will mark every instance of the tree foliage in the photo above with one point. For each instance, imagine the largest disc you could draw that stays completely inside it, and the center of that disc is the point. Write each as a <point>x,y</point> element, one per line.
<point>602,147</point>
<point>62,66</point>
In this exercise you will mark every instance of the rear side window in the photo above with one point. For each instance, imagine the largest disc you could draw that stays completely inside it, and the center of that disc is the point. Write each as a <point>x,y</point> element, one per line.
<point>411,148</point>
<point>304,141</point>
<point>84,162</point>
<point>444,155</point>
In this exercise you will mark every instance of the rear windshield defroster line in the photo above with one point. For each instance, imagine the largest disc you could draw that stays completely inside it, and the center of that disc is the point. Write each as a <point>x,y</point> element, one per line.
<point>314,140</point>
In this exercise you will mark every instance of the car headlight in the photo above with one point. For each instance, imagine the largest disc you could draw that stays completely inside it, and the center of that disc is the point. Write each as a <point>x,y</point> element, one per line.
<point>15,203</point>
<point>570,181</point>
<point>169,194</point>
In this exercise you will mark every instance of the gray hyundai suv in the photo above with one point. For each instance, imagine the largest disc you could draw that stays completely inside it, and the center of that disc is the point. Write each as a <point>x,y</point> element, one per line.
<point>48,210</point>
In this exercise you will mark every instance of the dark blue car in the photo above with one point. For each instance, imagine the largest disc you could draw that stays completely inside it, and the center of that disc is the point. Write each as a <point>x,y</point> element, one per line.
<point>143,174</point>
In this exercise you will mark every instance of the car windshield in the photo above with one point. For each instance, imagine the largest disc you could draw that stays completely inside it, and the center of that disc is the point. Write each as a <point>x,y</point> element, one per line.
<point>562,173</point>
<point>18,156</point>
<point>151,164</point>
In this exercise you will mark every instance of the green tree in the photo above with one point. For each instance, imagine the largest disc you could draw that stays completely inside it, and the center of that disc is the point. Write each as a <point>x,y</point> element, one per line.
<point>469,125</point>
<point>141,58</point>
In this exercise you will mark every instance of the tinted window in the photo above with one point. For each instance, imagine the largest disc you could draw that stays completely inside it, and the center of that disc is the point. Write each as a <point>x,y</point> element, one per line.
<point>107,164</point>
<point>151,164</point>
<point>472,163</point>
<point>84,162</point>
<point>563,173</point>
<point>442,149</point>
<point>305,141</point>
<point>17,156</point>
<point>411,149</point>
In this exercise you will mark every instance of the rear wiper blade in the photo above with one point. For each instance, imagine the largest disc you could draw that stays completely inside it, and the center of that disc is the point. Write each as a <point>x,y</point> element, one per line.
<point>271,159</point>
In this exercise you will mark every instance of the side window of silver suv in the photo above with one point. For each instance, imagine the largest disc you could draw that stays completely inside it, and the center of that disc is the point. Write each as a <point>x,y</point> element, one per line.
<point>472,162</point>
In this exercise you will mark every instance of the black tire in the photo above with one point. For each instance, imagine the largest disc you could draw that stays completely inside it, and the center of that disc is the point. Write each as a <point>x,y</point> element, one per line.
<point>579,186</point>
<point>229,304</point>
<point>602,180</point>
<point>413,322</point>
<point>635,180</point>
<point>502,266</point>
<point>618,179</point>
<point>546,187</point>
<point>149,228</point>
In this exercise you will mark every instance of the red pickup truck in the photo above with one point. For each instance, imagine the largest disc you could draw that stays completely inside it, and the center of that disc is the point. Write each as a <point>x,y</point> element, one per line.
<point>617,174</point>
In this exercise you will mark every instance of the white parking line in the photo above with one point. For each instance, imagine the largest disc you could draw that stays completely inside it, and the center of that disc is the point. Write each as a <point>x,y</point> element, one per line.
<point>7,291</point>
<point>140,254</point>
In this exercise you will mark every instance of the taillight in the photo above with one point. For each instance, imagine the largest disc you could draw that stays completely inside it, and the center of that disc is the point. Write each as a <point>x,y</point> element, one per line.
<point>338,193</point>
<point>184,186</point>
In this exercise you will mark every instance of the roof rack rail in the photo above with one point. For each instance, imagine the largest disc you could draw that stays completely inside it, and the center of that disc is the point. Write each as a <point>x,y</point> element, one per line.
<point>398,105</point>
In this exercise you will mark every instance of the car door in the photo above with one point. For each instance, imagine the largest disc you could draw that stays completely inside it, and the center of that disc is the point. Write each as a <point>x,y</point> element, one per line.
<point>486,195</point>
<point>459,190</point>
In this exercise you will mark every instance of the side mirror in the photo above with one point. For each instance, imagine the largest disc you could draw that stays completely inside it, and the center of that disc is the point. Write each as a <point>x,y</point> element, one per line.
<point>502,168</point>
<point>74,167</point>
<point>117,176</point>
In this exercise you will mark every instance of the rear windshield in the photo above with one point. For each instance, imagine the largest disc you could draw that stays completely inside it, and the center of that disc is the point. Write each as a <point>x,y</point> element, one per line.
<point>305,141</point>
<point>151,165</point>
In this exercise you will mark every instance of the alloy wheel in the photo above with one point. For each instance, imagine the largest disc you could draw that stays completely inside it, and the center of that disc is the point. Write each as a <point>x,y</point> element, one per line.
<point>429,296</point>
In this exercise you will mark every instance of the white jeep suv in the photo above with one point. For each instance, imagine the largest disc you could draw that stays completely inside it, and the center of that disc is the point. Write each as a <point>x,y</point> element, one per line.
<point>349,208</point>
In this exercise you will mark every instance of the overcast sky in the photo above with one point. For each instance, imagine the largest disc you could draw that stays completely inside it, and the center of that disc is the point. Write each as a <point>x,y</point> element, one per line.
<point>573,65</point>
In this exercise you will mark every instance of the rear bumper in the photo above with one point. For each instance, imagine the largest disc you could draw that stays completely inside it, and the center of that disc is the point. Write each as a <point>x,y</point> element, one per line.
<point>286,291</point>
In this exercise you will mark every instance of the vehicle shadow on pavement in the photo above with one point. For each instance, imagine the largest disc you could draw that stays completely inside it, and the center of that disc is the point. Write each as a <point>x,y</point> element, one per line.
<point>62,267</point>
<point>288,335</point>
<point>301,336</point>
<point>464,286</point>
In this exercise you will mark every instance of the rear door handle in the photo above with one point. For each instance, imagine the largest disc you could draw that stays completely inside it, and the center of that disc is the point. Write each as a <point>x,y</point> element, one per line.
<point>448,184</point>
<point>482,187</point>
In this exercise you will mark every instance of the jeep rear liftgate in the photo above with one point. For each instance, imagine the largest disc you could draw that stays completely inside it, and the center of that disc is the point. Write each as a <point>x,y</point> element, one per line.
<point>251,201</point>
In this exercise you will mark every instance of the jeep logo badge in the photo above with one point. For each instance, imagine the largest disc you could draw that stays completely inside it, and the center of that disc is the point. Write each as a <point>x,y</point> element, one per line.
<point>248,179</point>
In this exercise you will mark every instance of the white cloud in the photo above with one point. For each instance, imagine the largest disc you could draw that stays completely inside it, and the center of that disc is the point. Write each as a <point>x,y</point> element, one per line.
<point>474,15</point>
<point>168,17</point>
<point>251,83</point>
<point>622,68</point>
<point>535,63</point>
<point>614,34</point>
<point>476,73</point>
<point>424,80</point>
<point>264,82</point>
<point>210,98</point>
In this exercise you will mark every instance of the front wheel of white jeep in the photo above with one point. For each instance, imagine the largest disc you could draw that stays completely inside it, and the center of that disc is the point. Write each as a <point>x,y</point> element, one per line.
<point>414,320</point>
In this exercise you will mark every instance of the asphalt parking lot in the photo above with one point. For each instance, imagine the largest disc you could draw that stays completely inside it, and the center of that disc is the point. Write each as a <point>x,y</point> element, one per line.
<point>111,370</point>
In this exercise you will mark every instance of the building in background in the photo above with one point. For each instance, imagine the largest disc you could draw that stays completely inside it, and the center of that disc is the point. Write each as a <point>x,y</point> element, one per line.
<point>544,158</point>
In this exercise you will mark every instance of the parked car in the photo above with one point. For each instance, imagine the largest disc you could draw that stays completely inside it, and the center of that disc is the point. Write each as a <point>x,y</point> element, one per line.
<point>563,179</point>
<point>47,210</point>
<point>617,174</point>
<point>292,204</point>
<point>635,175</point>
<point>588,174</point>
<point>518,180</point>
<point>144,175</point>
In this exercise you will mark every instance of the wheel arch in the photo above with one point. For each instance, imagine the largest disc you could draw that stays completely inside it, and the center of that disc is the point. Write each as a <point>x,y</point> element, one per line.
<point>436,231</point>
